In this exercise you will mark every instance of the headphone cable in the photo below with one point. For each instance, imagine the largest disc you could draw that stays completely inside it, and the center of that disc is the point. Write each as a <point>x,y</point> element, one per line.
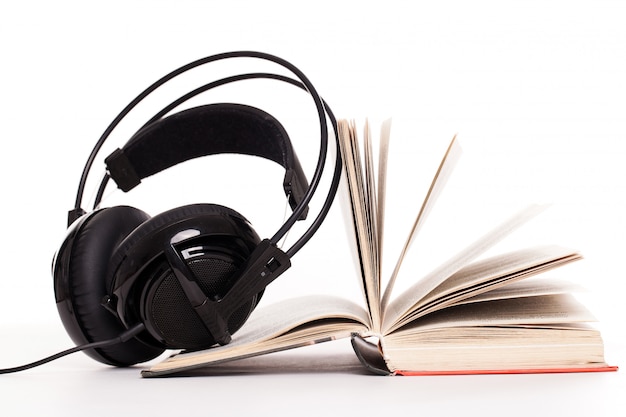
<point>125,336</point>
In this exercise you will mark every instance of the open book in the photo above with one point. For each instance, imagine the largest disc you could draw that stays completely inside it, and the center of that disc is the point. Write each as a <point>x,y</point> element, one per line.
<point>472,314</point>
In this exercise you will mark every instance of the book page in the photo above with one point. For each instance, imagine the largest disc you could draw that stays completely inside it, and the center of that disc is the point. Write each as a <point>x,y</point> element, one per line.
<point>349,221</point>
<point>373,216</point>
<point>383,158</point>
<point>404,303</point>
<point>283,325</point>
<point>524,311</point>
<point>362,217</point>
<point>488,275</point>
<point>505,264</point>
<point>520,289</point>
<point>441,178</point>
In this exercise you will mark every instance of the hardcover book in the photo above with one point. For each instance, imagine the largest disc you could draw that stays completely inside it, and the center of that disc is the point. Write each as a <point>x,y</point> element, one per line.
<point>472,314</point>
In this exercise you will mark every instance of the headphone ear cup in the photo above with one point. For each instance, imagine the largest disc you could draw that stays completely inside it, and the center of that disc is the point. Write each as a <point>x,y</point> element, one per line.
<point>80,273</point>
<point>153,294</point>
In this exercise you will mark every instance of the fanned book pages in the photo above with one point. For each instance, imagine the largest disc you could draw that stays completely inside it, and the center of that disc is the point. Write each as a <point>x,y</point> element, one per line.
<point>472,314</point>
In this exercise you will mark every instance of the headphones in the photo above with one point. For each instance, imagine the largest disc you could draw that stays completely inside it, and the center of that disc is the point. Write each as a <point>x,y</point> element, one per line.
<point>127,285</point>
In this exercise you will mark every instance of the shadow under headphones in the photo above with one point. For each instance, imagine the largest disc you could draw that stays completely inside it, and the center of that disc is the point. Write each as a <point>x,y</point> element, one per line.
<point>127,285</point>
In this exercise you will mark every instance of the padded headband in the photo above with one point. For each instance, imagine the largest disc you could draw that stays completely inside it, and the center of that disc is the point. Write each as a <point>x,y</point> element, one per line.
<point>208,130</point>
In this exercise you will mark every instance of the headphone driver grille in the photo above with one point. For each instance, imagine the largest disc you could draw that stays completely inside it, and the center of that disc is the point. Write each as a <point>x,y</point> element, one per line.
<point>173,317</point>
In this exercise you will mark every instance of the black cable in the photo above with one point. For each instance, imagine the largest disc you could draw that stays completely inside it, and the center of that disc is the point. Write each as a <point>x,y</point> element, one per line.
<point>101,189</point>
<point>223,81</point>
<point>125,336</point>
<point>334,186</point>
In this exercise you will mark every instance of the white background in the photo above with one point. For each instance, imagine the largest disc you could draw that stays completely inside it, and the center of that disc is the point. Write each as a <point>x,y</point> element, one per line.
<point>535,91</point>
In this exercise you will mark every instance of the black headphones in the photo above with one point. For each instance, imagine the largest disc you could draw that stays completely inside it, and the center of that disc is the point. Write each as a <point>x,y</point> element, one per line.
<point>129,286</point>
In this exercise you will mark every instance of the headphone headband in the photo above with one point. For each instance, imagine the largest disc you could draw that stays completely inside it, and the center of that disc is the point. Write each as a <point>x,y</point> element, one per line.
<point>207,130</point>
<point>302,81</point>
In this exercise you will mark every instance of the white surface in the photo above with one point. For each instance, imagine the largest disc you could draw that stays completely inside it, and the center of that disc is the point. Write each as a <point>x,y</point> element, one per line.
<point>317,380</point>
<point>535,91</point>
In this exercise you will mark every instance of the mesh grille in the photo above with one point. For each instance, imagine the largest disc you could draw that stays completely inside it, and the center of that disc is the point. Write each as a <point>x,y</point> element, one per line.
<point>213,274</point>
<point>174,318</point>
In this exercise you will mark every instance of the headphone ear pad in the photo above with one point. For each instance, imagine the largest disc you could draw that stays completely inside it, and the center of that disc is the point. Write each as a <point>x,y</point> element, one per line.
<point>80,272</point>
<point>149,291</point>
